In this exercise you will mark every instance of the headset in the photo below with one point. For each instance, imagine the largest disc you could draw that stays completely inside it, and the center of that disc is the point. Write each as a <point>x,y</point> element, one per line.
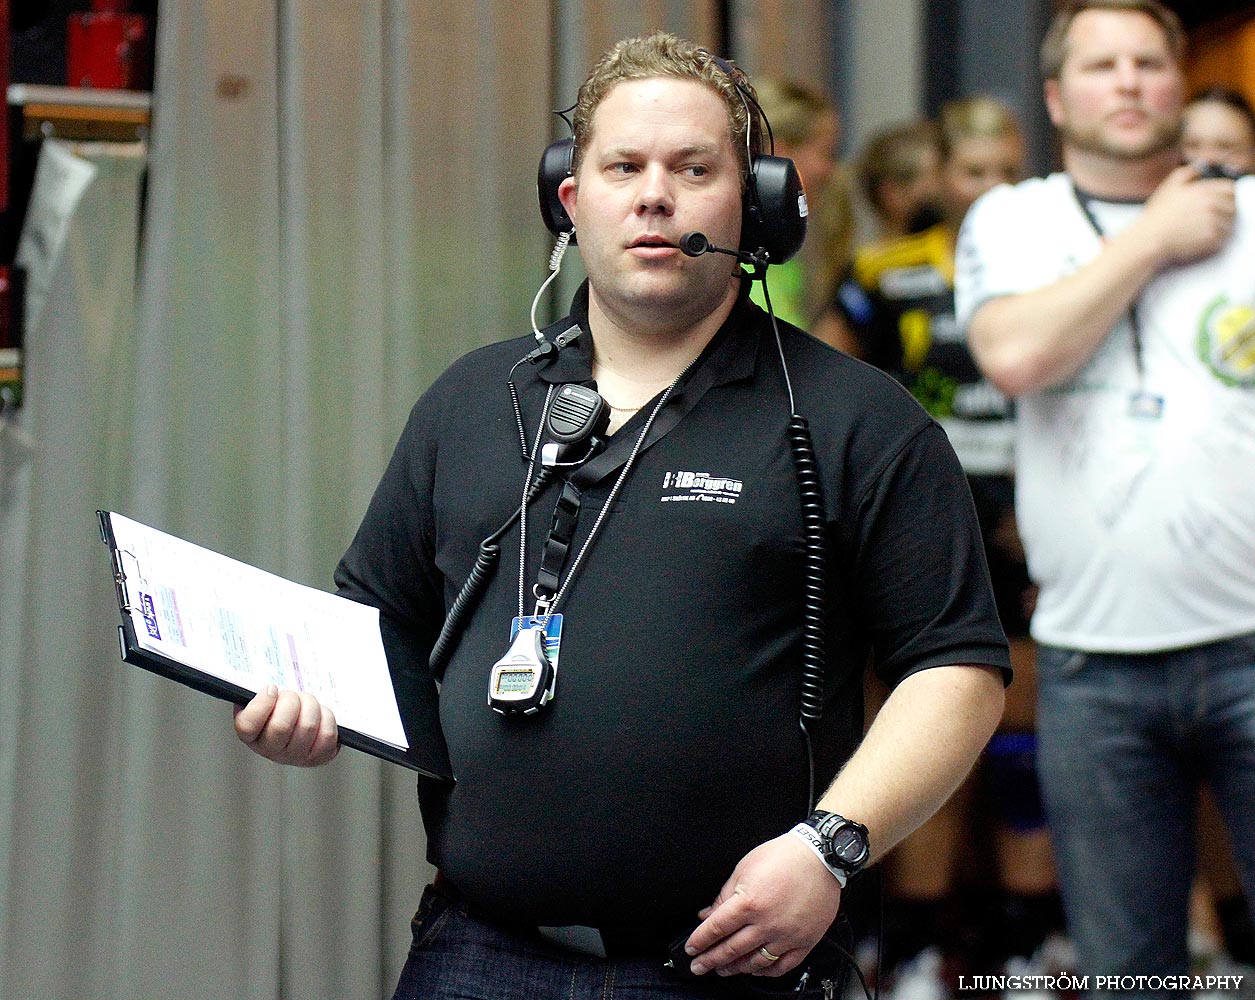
<point>773,208</point>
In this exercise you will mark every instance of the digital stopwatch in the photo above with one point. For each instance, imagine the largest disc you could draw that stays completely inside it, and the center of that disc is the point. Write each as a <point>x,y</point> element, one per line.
<point>524,679</point>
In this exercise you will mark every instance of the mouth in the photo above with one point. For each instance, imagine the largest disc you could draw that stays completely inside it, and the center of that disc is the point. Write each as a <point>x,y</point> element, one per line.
<point>1129,116</point>
<point>652,242</point>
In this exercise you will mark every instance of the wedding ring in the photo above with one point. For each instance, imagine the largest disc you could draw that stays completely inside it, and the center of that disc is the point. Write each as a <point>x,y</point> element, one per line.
<point>768,955</point>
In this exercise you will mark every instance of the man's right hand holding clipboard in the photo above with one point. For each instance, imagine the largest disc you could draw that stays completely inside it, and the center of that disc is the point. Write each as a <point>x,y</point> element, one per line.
<point>288,727</point>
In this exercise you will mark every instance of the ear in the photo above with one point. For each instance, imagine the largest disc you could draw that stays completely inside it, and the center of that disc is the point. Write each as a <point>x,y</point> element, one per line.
<point>1054,104</point>
<point>567,192</point>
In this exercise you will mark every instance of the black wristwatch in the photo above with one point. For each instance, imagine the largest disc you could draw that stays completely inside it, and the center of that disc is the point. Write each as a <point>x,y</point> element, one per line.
<point>842,844</point>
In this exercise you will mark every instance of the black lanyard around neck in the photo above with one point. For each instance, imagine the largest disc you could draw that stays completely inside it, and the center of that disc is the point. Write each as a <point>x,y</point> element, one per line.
<point>1085,201</point>
<point>549,589</point>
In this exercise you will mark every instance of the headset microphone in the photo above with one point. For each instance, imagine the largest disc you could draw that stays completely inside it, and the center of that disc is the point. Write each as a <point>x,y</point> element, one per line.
<point>696,244</point>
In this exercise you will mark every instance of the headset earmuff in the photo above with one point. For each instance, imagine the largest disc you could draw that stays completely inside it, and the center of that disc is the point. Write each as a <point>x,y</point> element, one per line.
<point>773,214</point>
<point>555,167</point>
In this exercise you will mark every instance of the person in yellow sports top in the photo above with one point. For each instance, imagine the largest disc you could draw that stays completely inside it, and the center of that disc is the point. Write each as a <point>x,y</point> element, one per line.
<point>899,176</point>
<point>899,298</point>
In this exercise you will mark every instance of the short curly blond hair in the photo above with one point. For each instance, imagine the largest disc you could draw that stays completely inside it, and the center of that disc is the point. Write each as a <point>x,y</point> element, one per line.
<point>665,55</point>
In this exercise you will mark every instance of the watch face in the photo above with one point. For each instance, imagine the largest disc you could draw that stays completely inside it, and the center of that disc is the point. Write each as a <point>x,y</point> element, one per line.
<point>848,845</point>
<point>845,843</point>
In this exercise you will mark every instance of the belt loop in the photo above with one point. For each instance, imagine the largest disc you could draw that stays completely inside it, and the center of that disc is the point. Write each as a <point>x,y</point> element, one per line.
<point>585,940</point>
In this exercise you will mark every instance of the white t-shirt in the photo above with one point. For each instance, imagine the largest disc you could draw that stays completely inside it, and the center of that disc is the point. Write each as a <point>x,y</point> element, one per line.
<point>1140,530</point>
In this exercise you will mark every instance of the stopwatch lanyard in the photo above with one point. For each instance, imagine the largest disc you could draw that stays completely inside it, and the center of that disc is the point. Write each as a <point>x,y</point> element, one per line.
<point>547,595</point>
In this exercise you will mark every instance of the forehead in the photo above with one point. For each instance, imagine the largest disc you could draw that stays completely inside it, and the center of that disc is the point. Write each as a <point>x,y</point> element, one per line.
<point>983,148</point>
<point>661,108</point>
<point>1212,117</point>
<point>1095,33</point>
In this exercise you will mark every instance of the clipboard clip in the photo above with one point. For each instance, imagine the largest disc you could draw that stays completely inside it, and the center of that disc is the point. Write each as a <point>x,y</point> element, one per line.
<point>120,578</point>
<point>119,566</point>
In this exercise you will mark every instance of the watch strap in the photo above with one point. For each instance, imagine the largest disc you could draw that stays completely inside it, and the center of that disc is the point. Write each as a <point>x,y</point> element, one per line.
<point>811,838</point>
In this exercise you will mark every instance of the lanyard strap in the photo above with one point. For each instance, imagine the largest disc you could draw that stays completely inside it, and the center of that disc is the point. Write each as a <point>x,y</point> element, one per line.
<point>547,599</point>
<point>558,544</point>
<point>527,479</point>
<point>1085,201</point>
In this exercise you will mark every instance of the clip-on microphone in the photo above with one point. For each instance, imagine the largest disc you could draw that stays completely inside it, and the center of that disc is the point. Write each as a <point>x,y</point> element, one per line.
<point>695,244</point>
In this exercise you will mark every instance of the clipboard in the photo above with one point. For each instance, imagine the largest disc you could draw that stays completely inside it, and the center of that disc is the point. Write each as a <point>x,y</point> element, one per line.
<point>226,628</point>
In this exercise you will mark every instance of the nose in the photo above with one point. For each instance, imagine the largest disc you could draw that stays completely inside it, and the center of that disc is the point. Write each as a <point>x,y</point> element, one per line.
<point>654,194</point>
<point>1128,75</point>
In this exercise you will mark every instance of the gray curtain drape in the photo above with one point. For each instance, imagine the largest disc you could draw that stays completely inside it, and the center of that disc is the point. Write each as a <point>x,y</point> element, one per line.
<point>339,201</point>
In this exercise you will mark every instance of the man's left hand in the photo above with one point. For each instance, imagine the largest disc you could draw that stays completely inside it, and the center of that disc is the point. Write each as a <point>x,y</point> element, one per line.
<point>779,901</point>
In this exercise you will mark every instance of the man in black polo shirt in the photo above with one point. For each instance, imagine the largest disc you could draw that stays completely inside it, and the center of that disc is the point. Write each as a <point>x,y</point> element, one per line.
<point>667,782</point>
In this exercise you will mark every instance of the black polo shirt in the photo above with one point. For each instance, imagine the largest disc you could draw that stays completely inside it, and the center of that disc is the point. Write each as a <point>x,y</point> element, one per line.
<point>672,747</point>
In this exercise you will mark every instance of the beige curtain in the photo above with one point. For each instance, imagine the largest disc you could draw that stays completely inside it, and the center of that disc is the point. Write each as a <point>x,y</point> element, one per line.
<point>59,697</point>
<point>340,200</point>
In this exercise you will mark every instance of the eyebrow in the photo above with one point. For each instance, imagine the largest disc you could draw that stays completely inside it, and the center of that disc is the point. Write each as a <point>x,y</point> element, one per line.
<point>1106,55</point>
<point>695,149</point>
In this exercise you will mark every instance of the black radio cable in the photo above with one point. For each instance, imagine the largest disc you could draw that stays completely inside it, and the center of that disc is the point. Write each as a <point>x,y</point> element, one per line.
<point>468,597</point>
<point>490,548</point>
<point>814,578</point>
<point>814,574</point>
<point>806,468</point>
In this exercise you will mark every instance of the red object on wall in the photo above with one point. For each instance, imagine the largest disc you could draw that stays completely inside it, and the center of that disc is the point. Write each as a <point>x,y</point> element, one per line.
<point>10,307</point>
<point>108,48</point>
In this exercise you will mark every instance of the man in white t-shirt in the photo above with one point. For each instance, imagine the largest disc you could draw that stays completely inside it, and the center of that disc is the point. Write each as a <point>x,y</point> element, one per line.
<point>1116,301</point>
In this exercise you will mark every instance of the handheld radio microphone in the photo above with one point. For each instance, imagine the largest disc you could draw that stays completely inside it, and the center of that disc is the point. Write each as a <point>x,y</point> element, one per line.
<point>695,244</point>
<point>575,426</point>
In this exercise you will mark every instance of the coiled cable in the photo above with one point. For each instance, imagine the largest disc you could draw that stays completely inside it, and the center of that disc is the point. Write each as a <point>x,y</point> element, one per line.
<point>814,578</point>
<point>468,597</point>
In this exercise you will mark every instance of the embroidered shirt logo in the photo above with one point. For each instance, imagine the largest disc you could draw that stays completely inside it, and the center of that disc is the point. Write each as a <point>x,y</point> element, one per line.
<point>1226,341</point>
<point>701,487</point>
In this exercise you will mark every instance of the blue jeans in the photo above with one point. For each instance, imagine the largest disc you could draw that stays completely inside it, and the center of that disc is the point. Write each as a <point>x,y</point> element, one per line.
<point>457,957</point>
<point>1124,743</point>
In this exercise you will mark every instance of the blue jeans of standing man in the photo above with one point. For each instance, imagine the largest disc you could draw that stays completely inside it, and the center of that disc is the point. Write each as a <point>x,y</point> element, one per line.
<point>455,956</point>
<point>1124,742</point>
